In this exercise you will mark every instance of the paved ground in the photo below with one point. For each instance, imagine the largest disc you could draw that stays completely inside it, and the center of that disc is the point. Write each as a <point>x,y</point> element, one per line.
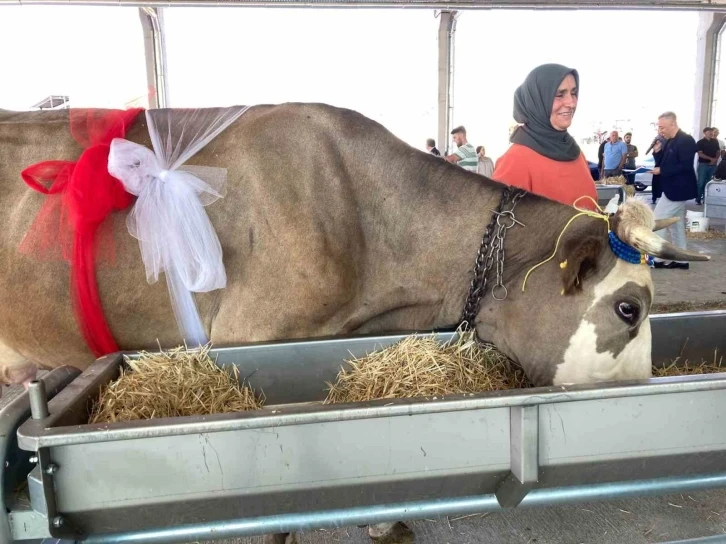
<point>704,282</point>
<point>662,519</point>
<point>647,520</point>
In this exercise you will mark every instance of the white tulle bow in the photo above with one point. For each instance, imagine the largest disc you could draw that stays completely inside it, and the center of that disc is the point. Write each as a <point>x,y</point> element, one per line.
<point>174,232</point>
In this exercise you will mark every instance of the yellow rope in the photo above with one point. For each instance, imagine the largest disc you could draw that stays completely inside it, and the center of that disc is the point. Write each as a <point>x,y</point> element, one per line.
<point>600,214</point>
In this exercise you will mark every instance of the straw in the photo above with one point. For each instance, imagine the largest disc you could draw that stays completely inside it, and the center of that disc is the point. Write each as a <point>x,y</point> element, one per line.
<point>176,383</point>
<point>421,366</point>
<point>183,382</point>
<point>618,180</point>
<point>687,368</point>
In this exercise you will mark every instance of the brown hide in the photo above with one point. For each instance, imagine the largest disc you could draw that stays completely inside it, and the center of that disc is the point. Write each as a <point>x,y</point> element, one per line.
<point>330,225</point>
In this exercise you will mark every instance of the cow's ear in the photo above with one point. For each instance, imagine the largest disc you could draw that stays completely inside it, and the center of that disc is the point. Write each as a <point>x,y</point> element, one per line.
<point>578,257</point>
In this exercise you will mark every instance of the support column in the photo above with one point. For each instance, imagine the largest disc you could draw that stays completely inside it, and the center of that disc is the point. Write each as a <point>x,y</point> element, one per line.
<point>710,24</point>
<point>447,28</point>
<point>152,22</point>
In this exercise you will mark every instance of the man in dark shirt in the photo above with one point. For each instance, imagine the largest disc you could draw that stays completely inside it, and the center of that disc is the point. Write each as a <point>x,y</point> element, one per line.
<point>708,154</point>
<point>431,147</point>
<point>674,165</point>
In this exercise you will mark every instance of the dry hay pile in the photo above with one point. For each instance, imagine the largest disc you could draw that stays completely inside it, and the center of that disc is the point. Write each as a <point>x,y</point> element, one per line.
<point>618,180</point>
<point>183,382</point>
<point>423,367</point>
<point>176,383</point>
<point>686,368</point>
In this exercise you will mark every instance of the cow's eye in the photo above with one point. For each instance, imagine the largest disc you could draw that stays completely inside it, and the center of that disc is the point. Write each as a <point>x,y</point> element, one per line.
<point>628,311</point>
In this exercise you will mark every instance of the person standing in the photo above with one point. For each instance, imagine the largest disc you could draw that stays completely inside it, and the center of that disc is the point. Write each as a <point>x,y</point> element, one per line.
<point>465,154</point>
<point>674,166</point>
<point>614,155</point>
<point>431,147</point>
<point>544,158</point>
<point>485,166</point>
<point>630,157</point>
<point>708,154</point>
<point>721,144</point>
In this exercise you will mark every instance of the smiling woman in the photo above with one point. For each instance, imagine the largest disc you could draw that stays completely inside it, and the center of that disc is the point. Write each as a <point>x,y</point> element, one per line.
<point>544,157</point>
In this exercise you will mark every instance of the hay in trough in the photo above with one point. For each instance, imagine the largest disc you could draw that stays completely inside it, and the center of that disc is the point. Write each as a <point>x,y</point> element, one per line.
<point>687,368</point>
<point>182,382</point>
<point>176,383</point>
<point>675,307</point>
<point>424,367</point>
<point>618,180</point>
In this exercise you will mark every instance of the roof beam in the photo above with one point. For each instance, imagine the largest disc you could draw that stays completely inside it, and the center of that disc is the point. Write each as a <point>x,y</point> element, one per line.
<point>690,5</point>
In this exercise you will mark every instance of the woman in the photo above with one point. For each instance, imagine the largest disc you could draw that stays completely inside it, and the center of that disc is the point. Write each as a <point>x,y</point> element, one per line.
<point>485,166</point>
<point>544,158</point>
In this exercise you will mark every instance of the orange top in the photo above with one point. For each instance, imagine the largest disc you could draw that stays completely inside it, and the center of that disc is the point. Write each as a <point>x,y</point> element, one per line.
<point>564,182</point>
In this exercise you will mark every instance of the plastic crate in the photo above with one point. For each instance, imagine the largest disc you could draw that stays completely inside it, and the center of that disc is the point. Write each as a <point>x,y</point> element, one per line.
<point>715,200</point>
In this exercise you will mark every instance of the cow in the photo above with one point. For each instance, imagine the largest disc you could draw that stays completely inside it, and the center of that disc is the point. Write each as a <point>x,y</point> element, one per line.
<point>333,226</point>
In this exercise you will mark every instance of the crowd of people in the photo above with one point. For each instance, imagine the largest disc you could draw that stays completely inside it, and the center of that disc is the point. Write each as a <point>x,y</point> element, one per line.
<point>545,159</point>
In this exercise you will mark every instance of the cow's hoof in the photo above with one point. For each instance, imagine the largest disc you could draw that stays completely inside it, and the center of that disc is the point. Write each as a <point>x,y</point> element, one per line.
<point>391,533</point>
<point>280,538</point>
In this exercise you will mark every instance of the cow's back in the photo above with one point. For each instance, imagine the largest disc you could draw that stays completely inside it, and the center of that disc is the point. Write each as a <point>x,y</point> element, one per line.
<point>288,227</point>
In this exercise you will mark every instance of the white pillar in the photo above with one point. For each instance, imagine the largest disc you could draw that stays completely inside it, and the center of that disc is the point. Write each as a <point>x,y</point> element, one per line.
<point>152,23</point>
<point>447,28</point>
<point>709,25</point>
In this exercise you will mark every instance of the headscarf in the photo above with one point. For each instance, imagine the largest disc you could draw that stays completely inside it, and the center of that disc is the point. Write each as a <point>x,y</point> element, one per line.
<point>533,106</point>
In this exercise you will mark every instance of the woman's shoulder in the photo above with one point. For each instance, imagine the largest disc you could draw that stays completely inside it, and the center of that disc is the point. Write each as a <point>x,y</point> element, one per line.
<point>521,150</point>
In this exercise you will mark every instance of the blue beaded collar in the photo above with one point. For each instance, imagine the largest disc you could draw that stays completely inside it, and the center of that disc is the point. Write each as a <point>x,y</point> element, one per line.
<point>624,251</point>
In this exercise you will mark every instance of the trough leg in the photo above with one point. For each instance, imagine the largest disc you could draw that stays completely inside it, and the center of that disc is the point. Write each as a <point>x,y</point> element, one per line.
<point>391,533</point>
<point>281,538</point>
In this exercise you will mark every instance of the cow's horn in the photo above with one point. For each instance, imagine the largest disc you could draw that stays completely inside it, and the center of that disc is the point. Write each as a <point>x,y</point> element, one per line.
<point>643,239</point>
<point>664,223</point>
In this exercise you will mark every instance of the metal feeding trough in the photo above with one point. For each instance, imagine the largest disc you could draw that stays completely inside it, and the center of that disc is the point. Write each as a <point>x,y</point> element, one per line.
<point>298,464</point>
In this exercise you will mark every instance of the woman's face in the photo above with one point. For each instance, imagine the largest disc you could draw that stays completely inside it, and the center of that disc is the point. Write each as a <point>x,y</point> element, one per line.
<point>565,104</point>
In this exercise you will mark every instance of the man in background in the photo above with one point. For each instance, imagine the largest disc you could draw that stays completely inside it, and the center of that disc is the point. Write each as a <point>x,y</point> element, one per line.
<point>465,154</point>
<point>630,157</point>
<point>431,147</point>
<point>721,143</point>
<point>674,165</point>
<point>708,154</point>
<point>485,165</point>
<point>614,155</point>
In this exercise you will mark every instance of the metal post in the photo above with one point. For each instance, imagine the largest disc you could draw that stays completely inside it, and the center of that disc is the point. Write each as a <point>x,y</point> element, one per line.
<point>447,27</point>
<point>524,452</point>
<point>152,22</point>
<point>38,399</point>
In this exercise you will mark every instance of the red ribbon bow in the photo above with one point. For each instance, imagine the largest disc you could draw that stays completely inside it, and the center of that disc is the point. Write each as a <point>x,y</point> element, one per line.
<point>81,195</point>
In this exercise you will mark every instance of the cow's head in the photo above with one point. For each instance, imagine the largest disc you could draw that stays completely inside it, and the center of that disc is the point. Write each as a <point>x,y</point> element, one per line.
<point>583,316</point>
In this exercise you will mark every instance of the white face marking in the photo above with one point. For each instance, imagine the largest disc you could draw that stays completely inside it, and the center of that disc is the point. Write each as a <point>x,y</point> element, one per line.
<point>582,362</point>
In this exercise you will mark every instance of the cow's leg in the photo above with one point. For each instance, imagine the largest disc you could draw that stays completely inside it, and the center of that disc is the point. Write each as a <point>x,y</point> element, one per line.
<point>391,533</point>
<point>281,538</point>
<point>14,368</point>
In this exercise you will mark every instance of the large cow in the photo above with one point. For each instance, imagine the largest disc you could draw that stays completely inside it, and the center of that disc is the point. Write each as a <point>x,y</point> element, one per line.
<point>331,225</point>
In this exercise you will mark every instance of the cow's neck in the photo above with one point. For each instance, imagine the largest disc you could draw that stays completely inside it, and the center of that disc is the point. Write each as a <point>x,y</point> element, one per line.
<point>427,225</point>
<point>429,231</point>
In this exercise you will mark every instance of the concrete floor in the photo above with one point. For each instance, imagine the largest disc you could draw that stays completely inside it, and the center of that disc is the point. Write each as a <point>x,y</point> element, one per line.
<point>641,521</point>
